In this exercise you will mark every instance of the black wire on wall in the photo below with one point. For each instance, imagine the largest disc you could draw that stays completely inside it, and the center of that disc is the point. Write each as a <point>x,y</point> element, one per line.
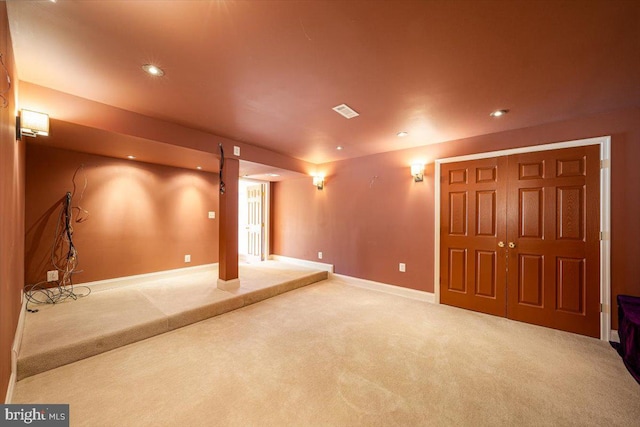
<point>222,186</point>
<point>64,258</point>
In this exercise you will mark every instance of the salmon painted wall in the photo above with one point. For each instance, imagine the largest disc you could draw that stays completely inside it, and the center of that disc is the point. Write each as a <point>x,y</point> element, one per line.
<point>371,216</point>
<point>12,155</point>
<point>142,217</point>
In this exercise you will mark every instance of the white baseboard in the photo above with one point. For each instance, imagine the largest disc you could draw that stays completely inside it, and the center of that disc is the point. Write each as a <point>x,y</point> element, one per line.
<point>362,283</point>
<point>614,336</point>
<point>15,350</point>
<point>388,289</point>
<point>119,282</point>
<point>303,263</point>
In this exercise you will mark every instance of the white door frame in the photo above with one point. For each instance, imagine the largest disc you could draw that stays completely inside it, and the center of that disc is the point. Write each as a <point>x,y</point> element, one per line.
<point>605,215</point>
<point>266,214</point>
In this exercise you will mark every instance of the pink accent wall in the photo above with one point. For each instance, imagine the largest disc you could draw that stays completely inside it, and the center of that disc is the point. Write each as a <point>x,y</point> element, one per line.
<point>142,217</point>
<point>12,156</point>
<point>372,216</point>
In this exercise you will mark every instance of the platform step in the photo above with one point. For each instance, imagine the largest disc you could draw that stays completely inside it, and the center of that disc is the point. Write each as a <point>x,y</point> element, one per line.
<point>108,331</point>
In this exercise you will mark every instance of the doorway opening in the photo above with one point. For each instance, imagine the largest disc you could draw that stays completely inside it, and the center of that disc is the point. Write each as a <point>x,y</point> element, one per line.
<point>253,220</point>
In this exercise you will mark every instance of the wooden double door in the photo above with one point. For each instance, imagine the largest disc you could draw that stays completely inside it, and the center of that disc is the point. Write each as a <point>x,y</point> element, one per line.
<point>519,237</point>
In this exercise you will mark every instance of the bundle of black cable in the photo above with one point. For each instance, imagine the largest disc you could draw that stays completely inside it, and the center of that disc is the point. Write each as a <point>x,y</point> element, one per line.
<point>65,263</point>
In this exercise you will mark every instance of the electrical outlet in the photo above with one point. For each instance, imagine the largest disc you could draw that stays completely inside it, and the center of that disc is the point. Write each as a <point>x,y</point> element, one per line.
<point>212,215</point>
<point>402,267</point>
<point>187,258</point>
<point>319,255</point>
<point>236,150</point>
<point>52,276</point>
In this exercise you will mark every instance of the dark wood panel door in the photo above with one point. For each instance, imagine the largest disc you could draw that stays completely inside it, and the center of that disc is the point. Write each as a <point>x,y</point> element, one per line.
<point>553,207</point>
<point>519,237</point>
<point>473,223</point>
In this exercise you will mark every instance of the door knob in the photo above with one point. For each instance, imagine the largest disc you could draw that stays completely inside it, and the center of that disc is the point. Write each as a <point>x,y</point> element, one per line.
<point>512,245</point>
<point>501,244</point>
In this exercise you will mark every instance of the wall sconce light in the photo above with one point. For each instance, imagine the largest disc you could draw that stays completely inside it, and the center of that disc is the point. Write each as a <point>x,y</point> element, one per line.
<point>32,123</point>
<point>318,181</point>
<point>417,171</point>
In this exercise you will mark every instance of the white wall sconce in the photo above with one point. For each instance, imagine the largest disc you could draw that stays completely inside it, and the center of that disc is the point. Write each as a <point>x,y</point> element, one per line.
<point>32,123</point>
<point>417,171</point>
<point>318,181</point>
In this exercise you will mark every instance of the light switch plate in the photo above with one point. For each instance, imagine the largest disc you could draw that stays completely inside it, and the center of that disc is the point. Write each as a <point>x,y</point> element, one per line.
<point>402,267</point>
<point>212,215</point>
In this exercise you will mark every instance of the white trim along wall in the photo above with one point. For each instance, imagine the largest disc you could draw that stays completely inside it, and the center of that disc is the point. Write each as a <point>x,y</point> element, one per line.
<point>119,282</point>
<point>303,262</point>
<point>605,215</point>
<point>386,288</point>
<point>15,350</point>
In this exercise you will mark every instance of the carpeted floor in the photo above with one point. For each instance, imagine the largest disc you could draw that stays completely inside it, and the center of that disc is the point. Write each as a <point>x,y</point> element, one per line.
<point>73,330</point>
<point>335,355</point>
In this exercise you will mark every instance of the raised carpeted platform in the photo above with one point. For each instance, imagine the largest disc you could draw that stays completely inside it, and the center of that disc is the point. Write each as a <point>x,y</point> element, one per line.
<point>64,333</point>
<point>331,354</point>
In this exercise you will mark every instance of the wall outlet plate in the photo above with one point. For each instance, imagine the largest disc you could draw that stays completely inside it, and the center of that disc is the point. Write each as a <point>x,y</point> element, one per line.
<point>52,276</point>
<point>319,255</point>
<point>402,267</point>
<point>212,215</point>
<point>236,150</point>
<point>187,258</point>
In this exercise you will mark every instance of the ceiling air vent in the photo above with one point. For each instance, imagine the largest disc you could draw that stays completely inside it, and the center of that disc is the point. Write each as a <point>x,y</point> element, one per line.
<point>345,111</point>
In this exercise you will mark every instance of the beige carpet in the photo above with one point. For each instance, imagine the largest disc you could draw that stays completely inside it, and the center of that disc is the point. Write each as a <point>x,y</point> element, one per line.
<point>74,330</point>
<point>335,355</point>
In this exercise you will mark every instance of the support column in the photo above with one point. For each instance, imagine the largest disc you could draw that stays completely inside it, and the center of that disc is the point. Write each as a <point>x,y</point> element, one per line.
<point>228,242</point>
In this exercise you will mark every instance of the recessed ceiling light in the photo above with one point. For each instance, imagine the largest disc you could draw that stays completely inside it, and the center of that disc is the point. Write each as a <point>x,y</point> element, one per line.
<point>199,167</point>
<point>131,157</point>
<point>339,147</point>
<point>153,70</point>
<point>498,113</point>
<point>402,133</point>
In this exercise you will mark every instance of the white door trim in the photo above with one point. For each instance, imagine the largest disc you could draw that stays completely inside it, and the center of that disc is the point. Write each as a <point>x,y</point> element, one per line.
<point>266,215</point>
<point>605,215</point>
